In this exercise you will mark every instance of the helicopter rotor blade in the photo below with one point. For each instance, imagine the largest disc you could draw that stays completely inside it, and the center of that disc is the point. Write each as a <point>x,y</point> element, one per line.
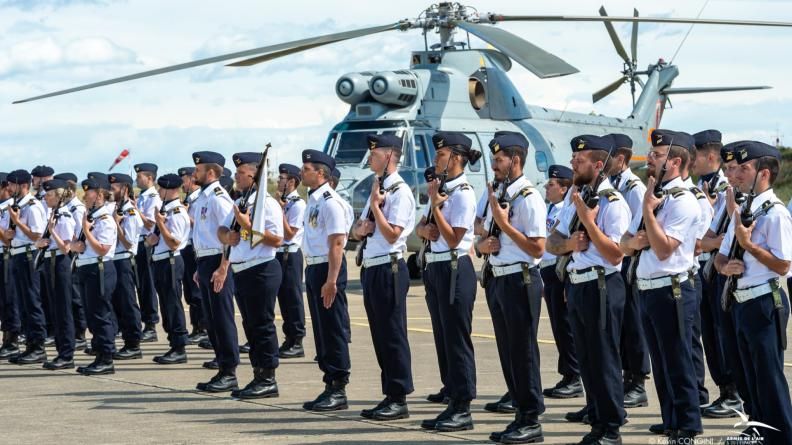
<point>614,37</point>
<point>270,52</point>
<point>634,39</point>
<point>600,94</point>
<point>535,59</point>
<point>593,18</point>
<point>671,91</point>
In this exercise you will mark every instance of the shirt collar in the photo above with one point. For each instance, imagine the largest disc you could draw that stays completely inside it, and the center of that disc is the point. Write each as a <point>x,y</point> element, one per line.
<point>391,179</point>
<point>63,210</point>
<point>172,204</point>
<point>767,195</point>
<point>689,182</point>
<point>461,179</point>
<point>676,182</point>
<point>192,196</point>
<point>149,191</point>
<point>293,194</point>
<point>517,185</point>
<point>316,194</point>
<point>101,211</point>
<point>604,185</point>
<point>209,189</point>
<point>25,199</point>
<point>77,203</point>
<point>4,205</point>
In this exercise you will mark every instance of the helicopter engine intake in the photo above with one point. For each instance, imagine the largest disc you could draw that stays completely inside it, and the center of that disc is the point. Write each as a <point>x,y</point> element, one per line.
<point>353,88</point>
<point>394,87</point>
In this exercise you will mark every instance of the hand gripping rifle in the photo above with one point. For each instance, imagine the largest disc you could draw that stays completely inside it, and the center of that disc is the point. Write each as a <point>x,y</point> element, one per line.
<point>15,207</point>
<point>54,218</point>
<point>90,218</point>
<point>708,272</point>
<point>494,229</point>
<point>430,174</point>
<point>243,200</point>
<point>736,251</point>
<point>370,215</point>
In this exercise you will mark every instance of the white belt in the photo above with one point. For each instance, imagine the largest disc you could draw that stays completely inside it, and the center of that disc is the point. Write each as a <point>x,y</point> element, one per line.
<point>239,267</point>
<point>443,256</point>
<point>20,249</point>
<point>86,261</point>
<point>585,277</point>
<point>743,295</point>
<point>545,263</point>
<point>164,255</point>
<point>378,260</point>
<point>657,283</point>
<point>200,253</point>
<point>48,254</point>
<point>122,256</point>
<point>499,271</point>
<point>704,257</point>
<point>289,248</point>
<point>311,260</point>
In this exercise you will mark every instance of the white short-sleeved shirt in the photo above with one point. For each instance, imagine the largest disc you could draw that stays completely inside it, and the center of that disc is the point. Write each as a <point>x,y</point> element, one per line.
<point>528,214</point>
<point>33,215</point>
<point>705,217</point>
<point>212,207</point>
<point>178,223</point>
<point>481,205</point>
<point>5,218</point>
<point>399,210</point>
<point>77,210</point>
<point>678,215</point>
<point>632,189</point>
<point>460,212</point>
<point>325,216</point>
<point>273,223</point>
<point>552,218</point>
<point>105,231</point>
<point>295,212</point>
<point>188,201</point>
<point>613,218</point>
<point>773,232</point>
<point>720,187</point>
<point>148,202</point>
<point>65,227</point>
<point>132,224</point>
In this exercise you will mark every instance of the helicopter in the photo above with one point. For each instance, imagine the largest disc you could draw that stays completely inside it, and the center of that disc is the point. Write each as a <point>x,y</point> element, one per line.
<point>452,86</point>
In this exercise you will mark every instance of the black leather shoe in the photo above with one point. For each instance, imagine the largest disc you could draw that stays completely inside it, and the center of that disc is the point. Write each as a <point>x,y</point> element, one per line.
<point>205,344</point>
<point>58,363</point>
<point>10,347</point>
<point>431,424</point>
<point>597,437</point>
<point>89,350</point>
<point>503,405</point>
<point>635,396</point>
<point>580,416</point>
<point>332,399</point>
<point>80,344</point>
<point>438,397</point>
<point>128,352</point>
<point>221,382</point>
<point>49,341</point>
<point>262,386</point>
<point>149,334</point>
<point>725,405</point>
<point>496,436</point>
<point>459,420</point>
<point>368,413</point>
<point>308,405</point>
<point>531,433</point>
<point>291,348</point>
<point>395,409</point>
<point>197,336</point>
<point>174,356</point>
<point>102,365</point>
<point>659,429</point>
<point>568,388</point>
<point>33,354</point>
<point>211,364</point>
<point>244,349</point>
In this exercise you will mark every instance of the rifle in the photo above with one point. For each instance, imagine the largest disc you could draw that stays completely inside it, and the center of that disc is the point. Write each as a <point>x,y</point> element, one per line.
<point>708,272</point>
<point>243,200</point>
<point>494,229</point>
<point>14,207</point>
<point>430,175</point>
<point>370,215</point>
<point>712,185</point>
<point>590,196</point>
<point>736,251</point>
<point>90,218</point>
<point>47,233</point>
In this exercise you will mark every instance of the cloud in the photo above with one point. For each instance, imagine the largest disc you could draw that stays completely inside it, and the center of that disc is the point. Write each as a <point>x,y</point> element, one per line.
<point>28,5</point>
<point>47,53</point>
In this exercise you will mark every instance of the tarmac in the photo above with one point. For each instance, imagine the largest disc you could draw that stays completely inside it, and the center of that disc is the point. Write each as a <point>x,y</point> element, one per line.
<point>147,403</point>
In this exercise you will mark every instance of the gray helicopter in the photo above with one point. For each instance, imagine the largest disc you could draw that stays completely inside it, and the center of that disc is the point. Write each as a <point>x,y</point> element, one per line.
<point>454,87</point>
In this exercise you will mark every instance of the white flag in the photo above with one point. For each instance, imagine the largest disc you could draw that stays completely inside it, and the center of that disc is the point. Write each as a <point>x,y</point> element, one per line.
<point>259,210</point>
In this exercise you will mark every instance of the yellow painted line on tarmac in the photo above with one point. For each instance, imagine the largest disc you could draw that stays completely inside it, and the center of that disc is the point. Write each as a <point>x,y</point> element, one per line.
<point>429,331</point>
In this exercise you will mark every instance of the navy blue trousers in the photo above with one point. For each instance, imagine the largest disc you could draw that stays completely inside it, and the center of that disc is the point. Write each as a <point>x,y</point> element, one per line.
<point>192,292</point>
<point>634,351</point>
<point>698,348</point>
<point>387,316</point>
<point>223,330</point>
<point>710,310</point>
<point>728,341</point>
<point>168,283</point>
<point>598,349</point>
<point>290,295</point>
<point>98,305</point>
<point>256,289</point>
<point>330,325</point>
<point>672,355</point>
<point>11,321</point>
<point>452,325</point>
<point>78,304</point>
<point>515,310</point>
<point>559,322</point>
<point>125,304</point>
<point>28,289</point>
<point>763,364</point>
<point>147,293</point>
<point>56,271</point>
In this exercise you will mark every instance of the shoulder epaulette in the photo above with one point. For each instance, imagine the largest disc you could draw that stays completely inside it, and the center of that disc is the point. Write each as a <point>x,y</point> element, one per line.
<point>176,210</point>
<point>218,190</point>
<point>103,217</point>
<point>72,208</point>
<point>697,193</point>
<point>131,211</point>
<point>395,186</point>
<point>295,198</point>
<point>31,202</point>
<point>66,214</point>
<point>722,186</point>
<point>676,192</point>
<point>610,194</point>
<point>632,183</point>
<point>327,195</point>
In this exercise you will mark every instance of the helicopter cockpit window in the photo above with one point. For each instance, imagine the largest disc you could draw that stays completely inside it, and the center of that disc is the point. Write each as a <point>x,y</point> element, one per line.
<point>541,161</point>
<point>353,147</point>
<point>421,154</point>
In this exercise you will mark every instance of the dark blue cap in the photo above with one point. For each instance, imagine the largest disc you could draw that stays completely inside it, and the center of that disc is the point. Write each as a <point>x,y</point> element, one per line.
<point>508,139</point>
<point>67,177</point>
<point>19,177</point>
<point>727,152</point>
<point>621,140</point>
<point>3,179</point>
<point>186,171</point>
<point>586,142</point>
<point>41,171</point>
<point>169,181</point>
<point>289,169</point>
<point>336,173</point>
<point>208,157</point>
<point>227,183</point>
<point>559,172</point>
<point>457,142</point>
<point>119,178</point>
<point>707,137</point>
<point>94,175</point>
<point>745,151</point>
<point>54,184</point>
<point>247,157</point>
<point>227,172</point>
<point>662,137</point>
<point>317,157</point>
<point>384,141</point>
<point>95,183</point>
<point>146,167</point>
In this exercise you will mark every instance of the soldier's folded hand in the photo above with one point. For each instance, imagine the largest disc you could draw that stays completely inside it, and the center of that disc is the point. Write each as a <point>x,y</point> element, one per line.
<point>152,240</point>
<point>42,243</point>
<point>434,194</point>
<point>640,241</point>
<point>233,238</point>
<point>580,241</point>
<point>364,228</point>
<point>489,245</point>
<point>733,267</point>
<point>430,232</point>
<point>77,246</point>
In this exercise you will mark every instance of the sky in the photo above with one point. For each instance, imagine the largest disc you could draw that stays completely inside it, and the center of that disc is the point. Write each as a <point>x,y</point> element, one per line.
<point>48,45</point>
